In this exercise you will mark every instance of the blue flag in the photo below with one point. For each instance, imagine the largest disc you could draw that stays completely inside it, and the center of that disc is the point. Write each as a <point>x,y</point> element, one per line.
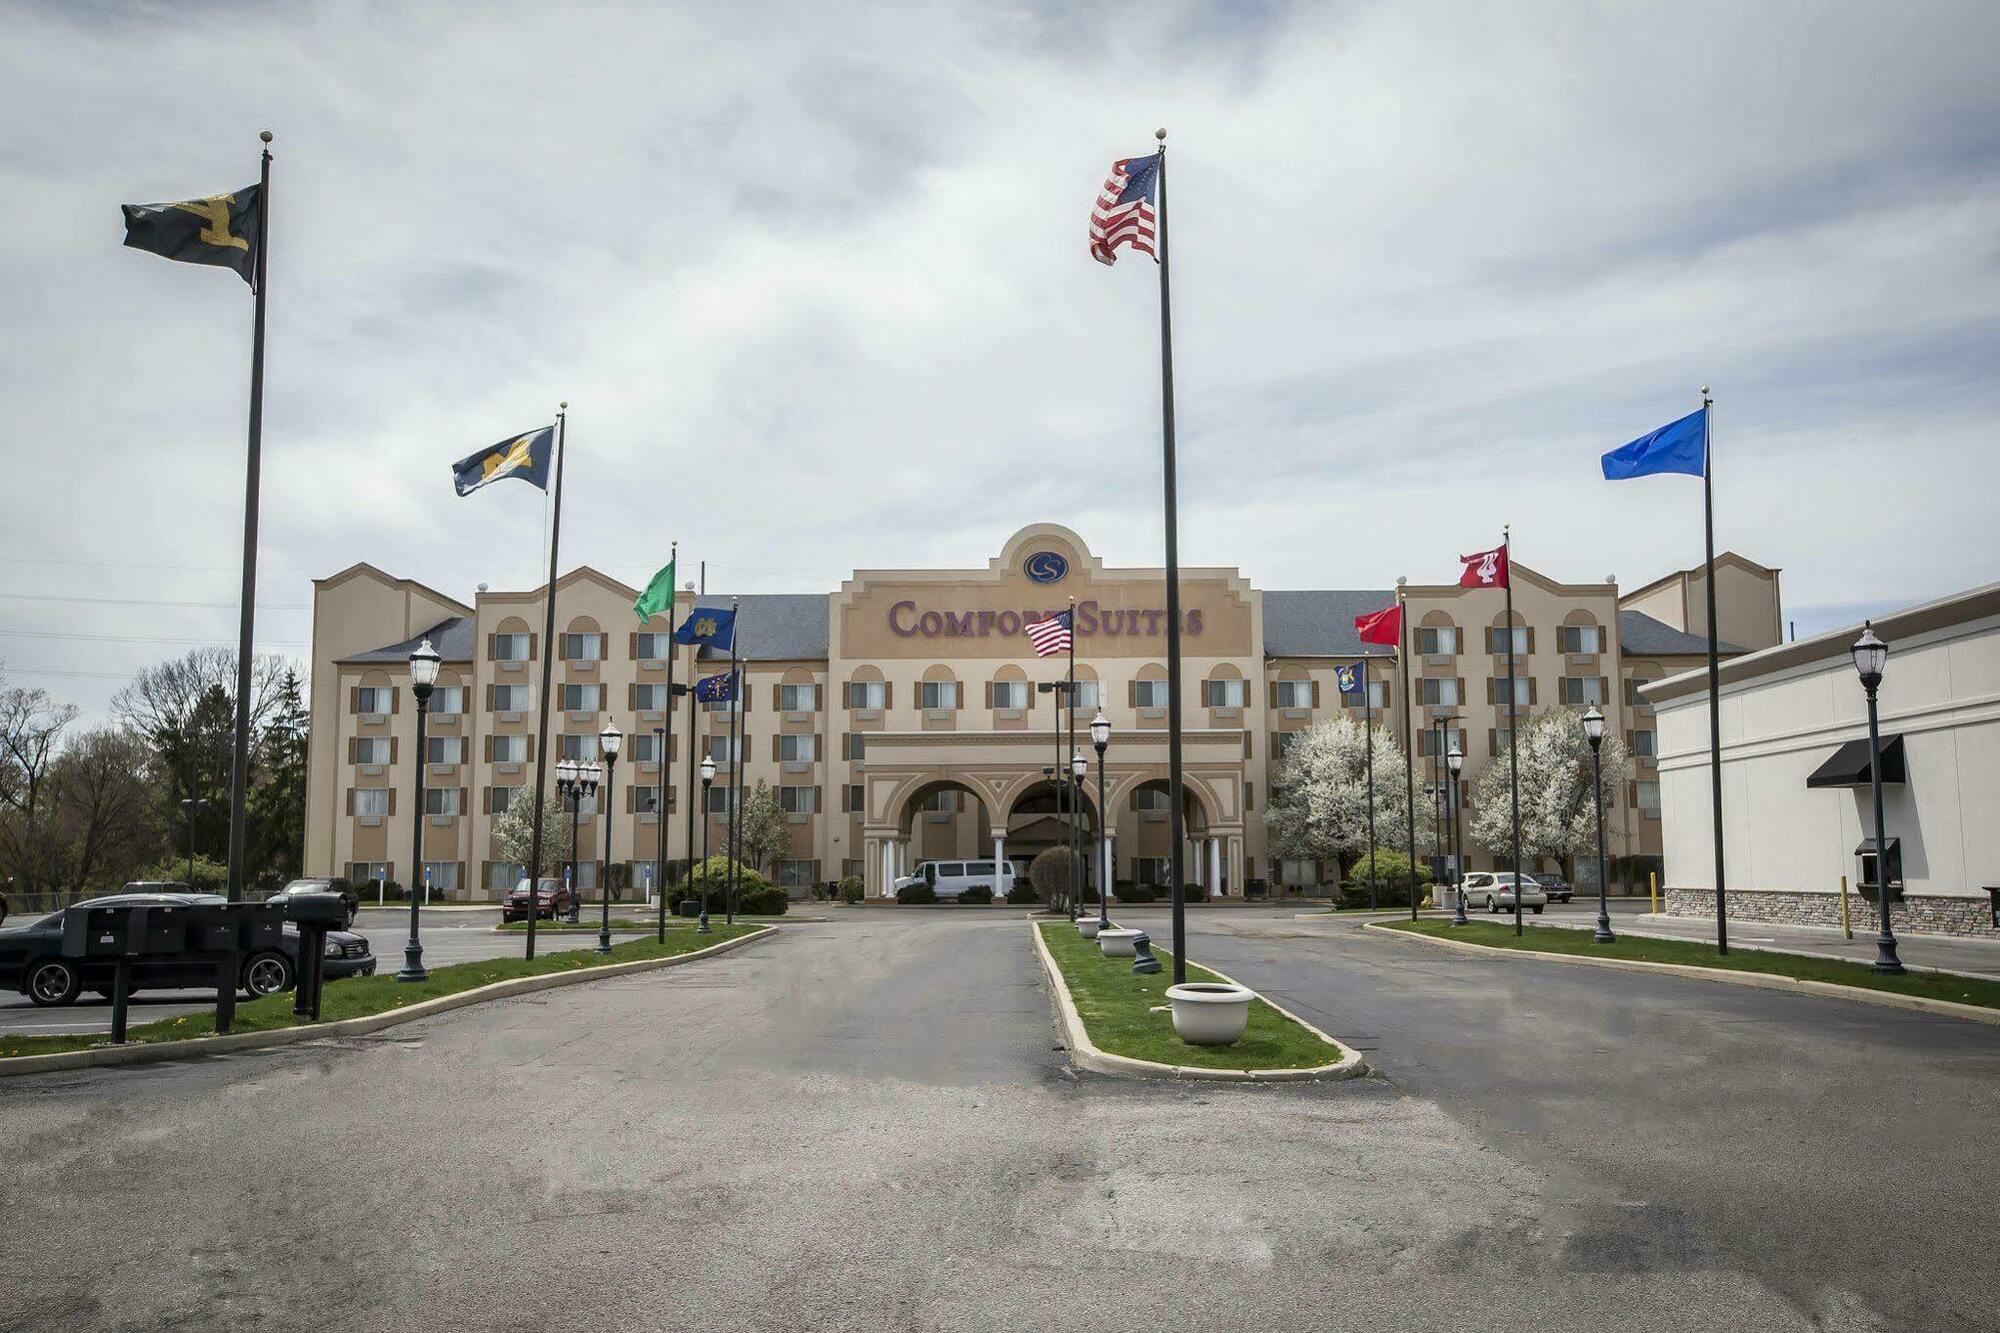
<point>524,456</point>
<point>717,689</point>
<point>708,625</point>
<point>1348,679</point>
<point>1679,447</point>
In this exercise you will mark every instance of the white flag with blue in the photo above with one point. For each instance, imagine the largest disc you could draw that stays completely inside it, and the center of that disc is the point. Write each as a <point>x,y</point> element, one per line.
<point>1681,446</point>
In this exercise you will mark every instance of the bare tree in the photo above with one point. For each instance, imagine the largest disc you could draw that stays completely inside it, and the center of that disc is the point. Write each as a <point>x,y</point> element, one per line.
<point>31,727</point>
<point>103,807</point>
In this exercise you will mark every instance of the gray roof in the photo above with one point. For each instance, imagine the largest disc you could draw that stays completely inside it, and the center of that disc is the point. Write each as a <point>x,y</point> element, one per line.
<point>1321,624</point>
<point>452,638</point>
<point>1640,633</point>
<point>775,626</point>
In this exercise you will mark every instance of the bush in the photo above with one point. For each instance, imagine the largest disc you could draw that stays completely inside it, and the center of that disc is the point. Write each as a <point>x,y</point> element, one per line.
<point>715,870</point>
<point>1125,891</point>
<point>852,890</point>
<point>1023,893</point>
<point>1193,893</point>
<point>919,894</point>
<point>980,894</point>
<point>1051,872</point>
<point>1392,868</point>
<point>765,900</point>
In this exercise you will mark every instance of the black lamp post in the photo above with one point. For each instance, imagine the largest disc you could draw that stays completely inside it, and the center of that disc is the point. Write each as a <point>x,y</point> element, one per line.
<point>1871,658</point>
<point>608,742</point>
<point>1454,762</point>
<point>1049,776</point>
<point>1100,736</point>
<point>1593,730</point>
<point>423,678</point>
<point>660,811</point>
<point>701,926</point>
<point>1079,768</point>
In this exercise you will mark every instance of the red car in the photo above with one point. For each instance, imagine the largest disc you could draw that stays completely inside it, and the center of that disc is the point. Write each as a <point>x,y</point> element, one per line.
<point>552,899</point>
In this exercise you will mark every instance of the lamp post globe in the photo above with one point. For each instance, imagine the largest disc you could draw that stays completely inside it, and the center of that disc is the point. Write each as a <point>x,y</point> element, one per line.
<point>1871,660</point>
<point>609,741</point>
<point>424,663</point>
<point>707,779</point>
<point>1100,731</point>
<point>1454,762</point>
<point>1593,731</point>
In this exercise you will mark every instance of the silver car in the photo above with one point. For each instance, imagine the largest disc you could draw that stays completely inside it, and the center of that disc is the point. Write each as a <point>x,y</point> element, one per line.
<point>1495,891</point>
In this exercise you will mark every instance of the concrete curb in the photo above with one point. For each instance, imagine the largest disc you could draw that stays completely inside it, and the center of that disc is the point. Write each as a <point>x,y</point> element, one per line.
<point>151,1052</point>
<point>1085,1054</point>
<point>1828,989</point>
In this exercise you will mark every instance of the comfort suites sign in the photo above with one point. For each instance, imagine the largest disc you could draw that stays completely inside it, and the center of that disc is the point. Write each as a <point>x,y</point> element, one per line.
<point>910,617</point>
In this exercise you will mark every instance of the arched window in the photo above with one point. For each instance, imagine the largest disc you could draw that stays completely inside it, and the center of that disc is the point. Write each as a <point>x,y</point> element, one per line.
<point>938,691</point>
<point>1581,635</point>
<point>1438,636</point>
<point>1010,690</point>
<point>1225,688</point>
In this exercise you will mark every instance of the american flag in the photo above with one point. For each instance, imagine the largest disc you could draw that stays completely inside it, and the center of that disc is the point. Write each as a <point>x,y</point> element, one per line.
<point>1051,636</point>
<point>1124,211</point>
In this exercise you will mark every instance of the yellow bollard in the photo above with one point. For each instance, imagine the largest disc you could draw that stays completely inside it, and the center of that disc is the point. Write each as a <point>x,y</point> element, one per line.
<point>1653,887</point>
<point>1846,927</point>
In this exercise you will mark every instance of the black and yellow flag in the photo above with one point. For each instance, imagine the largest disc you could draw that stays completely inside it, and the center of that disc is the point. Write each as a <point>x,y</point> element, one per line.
<point>221,229</point>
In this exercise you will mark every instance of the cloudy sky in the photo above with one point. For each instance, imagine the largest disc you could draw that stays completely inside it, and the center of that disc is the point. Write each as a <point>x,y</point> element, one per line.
<point>813,279</point>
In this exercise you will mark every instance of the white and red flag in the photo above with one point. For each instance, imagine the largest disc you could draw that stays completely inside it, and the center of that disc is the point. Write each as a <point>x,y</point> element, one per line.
<point>1123,214</point>
<point>1485,569</point>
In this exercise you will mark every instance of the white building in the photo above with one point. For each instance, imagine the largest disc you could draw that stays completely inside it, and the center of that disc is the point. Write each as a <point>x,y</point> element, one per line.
<point>1795,781</point>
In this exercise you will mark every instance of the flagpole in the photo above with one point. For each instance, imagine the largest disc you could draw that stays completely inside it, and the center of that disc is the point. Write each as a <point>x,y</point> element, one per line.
<point>1368,716</point>
<point>735,766</point>
<point>1070,785</point>
<point>1174,767</point>
<point>548,681</point>
<point>1714,674</point>
<point>665,755</point>
<point>693,662</point>
<point>1409,742</point>
<point>239,776</point>
<point>1513,727</point>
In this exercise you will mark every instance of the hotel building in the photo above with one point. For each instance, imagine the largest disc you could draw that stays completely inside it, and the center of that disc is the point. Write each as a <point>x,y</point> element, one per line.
<point>898,718</point>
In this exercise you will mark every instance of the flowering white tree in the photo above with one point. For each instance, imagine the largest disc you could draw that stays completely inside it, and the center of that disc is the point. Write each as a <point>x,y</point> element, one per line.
<point>1318,807</point>
<point>1558,819</point>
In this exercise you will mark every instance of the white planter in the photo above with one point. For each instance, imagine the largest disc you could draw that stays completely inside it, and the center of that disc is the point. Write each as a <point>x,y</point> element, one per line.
<point>1086,926</point>
<point>1117,943</point>
<point>1210,1013</point>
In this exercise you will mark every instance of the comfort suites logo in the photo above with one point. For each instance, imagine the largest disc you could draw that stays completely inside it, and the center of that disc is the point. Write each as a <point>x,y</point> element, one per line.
<point>908,620</point>
<point>1046,567</point>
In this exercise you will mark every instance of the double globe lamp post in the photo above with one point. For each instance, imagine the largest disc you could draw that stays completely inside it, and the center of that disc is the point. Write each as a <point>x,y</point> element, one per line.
<point>1593,731</point>
<point>609,742</point>
<point>1100,736</point>
<point>574,781</point>
<point>1871,658</point>
<point>707,779</point>
<point>424,664</point>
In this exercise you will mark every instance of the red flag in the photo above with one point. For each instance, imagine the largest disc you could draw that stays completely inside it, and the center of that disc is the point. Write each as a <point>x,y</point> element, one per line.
<point>1384,626</point>
<point>1485,569</point>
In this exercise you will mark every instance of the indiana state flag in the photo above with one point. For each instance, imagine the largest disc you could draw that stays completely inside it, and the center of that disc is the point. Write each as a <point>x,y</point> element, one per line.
<point>717,689</point>
<point>708,625</point>
<point>524,456</point>
<point>1680,446</point>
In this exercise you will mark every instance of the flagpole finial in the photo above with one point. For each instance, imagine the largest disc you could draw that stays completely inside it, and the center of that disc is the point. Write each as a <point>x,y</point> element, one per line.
<point>1161,134</point>
<point>265,135</point>
<point>563,406</point>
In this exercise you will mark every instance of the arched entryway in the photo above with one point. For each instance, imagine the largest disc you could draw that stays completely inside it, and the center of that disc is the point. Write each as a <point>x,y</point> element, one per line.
<point>942,819</point>
<point>1144,837</point>
<point>1042,815</point>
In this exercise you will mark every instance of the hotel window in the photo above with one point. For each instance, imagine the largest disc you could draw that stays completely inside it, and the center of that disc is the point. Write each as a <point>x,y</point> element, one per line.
<point>510,698</point>
<point>1646,744</point>
<point>651,698</point>
<point>798,749</point>
<point>1428,743</point>
<point>1010,693</point>
<point>938,694</point>
<point>1226,693</point>
<point>371,800</point>
<point>1440,692</point>
<point>1284,694</point>
<point>853,745</point>
<point>371,750</point>
<point>944,801</point>
<point>1583,638</point>
<point>718,748</point>
<point>1524,690</point>
<point>441,800</point>
<point>510,647</point>
<point>853,802</point>
<point>1152,869</point>
<point>1283,741</point>
<point>645,747</point>
<point>583,647</point>
<point>442,876</point>
<point>503,875</point>
<point>795,873</point>
<point>444,749</point>
<point>1149,800</point>
<point>1090,697</point>
<point>510,749</point>
<point>360,872</point>
<point>867,693</point>
<point>582,748</point>
<point>1148,694</point>
<point>1378,695</point>
<point>1502,738</point>
<point>1438,640</point>
<point>652,646</point>
<point>1497,639</point>
<point>718,801</point>
<point>499,800</point>
<point>1581,690</point>
<point>1632,699</point>
<point>798,698</point>
<point>447,701</point>
<point>580,698</point>
<point>799,800</point>
<point>374,699</point>
<point>1647,797</point>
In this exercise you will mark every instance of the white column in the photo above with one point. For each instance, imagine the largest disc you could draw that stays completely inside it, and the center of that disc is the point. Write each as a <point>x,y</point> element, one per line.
<point>999,862</point>
<point>1214,883</point>
<point>888,867</point>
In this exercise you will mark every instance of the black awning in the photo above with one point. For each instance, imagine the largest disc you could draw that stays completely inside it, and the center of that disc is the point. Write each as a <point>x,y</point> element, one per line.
<point>1848,766</point>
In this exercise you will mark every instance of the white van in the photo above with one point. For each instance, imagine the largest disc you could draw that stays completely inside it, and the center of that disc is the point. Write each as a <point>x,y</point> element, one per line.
<point>948,879</point>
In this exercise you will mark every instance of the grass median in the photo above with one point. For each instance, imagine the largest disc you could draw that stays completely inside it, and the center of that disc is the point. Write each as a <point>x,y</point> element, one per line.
<point>1692,953</point>
<point>359,997</point>
<point>1117,1006</point>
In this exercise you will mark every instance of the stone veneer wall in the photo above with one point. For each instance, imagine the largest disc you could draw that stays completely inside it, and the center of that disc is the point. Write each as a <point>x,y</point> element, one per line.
<point>1917,914</point>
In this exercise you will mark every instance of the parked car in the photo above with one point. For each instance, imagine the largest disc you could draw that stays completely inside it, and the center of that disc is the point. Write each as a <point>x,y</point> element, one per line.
<point>1495,892</point>
<point>32,962</point>
<point>948,879</point>
<point>330,884</point>
<point>1556,887</point>
<point>552,899</point>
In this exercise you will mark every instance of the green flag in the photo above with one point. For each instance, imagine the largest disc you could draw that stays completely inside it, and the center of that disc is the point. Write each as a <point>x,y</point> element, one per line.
<point>658,597</point>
